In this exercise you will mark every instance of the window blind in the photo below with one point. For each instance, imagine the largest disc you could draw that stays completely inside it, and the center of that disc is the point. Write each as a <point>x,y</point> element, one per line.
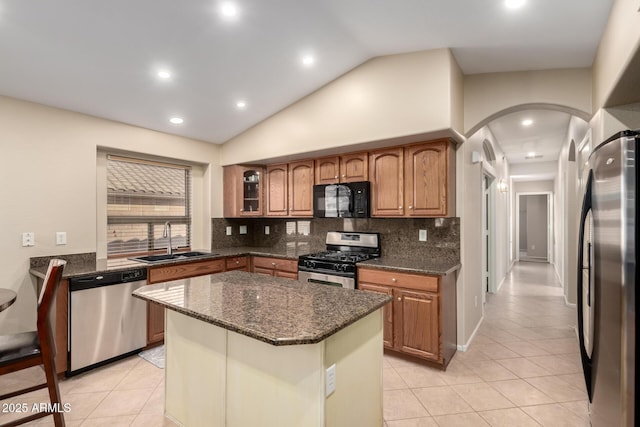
<point>141,196</point>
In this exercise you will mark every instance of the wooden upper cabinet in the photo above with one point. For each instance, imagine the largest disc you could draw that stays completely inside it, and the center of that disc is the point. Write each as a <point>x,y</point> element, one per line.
<point>328,170</point>
<point>277,190</point>
<point>387,183</point>
<point>301,176</point>
<point>243,191</point>
<point>354,167</point>
<point>428,181</point>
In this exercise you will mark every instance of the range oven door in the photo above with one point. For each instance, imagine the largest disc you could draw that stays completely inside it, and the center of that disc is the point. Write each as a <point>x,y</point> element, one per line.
<point>327,279</point>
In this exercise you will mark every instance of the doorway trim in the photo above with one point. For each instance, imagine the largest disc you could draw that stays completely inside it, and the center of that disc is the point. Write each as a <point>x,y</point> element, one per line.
<point>550,234</point>
<point>488,250</point>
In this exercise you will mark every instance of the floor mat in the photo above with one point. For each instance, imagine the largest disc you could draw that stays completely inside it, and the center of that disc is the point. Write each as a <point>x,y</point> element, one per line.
<point>154,355</point>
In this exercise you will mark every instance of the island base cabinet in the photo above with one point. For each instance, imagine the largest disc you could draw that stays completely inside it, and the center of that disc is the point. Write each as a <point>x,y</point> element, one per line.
<point>217,377</point>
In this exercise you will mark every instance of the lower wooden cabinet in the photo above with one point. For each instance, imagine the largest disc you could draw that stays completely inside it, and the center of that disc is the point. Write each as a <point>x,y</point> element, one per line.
<point>240,263</point>
<point>421,319</point>
<point>155,312</point>
<point>279,267</point>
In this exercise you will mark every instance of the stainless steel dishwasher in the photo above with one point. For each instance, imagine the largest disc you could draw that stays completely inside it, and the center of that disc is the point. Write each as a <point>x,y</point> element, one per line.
<point>106,322</point>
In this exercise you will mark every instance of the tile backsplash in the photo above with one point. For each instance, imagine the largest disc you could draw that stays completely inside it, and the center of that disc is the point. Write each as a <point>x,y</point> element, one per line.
<point>398,236</point>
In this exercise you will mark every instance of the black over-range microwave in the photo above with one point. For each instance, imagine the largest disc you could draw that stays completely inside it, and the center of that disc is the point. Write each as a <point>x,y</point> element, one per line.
<point>348,200</point>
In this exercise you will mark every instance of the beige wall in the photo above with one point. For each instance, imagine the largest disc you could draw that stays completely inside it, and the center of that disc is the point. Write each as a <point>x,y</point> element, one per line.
<point>487,94</point>
<point>49,170</point>
<point>618,47</point>
<point>469,203</point>
<point>384,98</point>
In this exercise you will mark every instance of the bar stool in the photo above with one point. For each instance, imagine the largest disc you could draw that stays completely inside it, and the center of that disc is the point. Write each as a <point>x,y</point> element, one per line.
<point>27,349</point>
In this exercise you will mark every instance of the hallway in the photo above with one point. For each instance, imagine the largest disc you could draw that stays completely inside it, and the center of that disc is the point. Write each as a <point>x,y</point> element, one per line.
<point>521,369</point>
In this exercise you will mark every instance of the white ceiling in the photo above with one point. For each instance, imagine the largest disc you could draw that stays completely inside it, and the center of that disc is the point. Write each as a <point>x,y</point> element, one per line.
<point>100,58</point>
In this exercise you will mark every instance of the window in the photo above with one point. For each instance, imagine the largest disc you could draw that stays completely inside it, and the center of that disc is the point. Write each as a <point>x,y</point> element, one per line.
<point>142,196</point>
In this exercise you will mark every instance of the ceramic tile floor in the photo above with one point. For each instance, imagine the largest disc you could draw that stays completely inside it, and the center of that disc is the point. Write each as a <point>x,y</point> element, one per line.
<point>522,369</point>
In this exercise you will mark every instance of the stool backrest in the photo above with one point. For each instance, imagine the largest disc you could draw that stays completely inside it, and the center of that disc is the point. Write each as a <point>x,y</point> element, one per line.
<point>48,291</point>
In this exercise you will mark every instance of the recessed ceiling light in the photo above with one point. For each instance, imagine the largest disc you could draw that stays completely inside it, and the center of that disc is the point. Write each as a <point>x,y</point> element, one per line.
<point>228,10</point>
<point>164,74</point>
<point>241,105</point>
<point>308,60</point>
<point>527,122</point>
<point>176,120</point>
<point>531,154</point>
<point>514,4</point>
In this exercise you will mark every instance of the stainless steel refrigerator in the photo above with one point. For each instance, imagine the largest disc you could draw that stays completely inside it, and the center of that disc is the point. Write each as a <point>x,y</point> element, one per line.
<point>607,297</point>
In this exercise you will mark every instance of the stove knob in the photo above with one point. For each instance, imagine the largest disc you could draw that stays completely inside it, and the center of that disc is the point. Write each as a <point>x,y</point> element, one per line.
<point>310,264</point>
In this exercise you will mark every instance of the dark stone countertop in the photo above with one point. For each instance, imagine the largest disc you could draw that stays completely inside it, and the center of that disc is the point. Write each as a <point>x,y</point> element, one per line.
<point>275,310</point>
<point>83,264</point>
<point>424,265</point>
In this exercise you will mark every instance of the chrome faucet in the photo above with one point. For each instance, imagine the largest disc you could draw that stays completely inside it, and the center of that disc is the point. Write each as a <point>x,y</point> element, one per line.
<point>167,233</point>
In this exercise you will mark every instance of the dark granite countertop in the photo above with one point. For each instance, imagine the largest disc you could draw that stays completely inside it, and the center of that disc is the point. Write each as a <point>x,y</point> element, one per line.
<point>275,310</point>
<point>82,264</point>
<point>422,265</point>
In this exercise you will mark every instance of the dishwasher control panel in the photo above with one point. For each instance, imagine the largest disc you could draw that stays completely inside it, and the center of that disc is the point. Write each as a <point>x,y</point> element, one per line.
<point>134,275</point>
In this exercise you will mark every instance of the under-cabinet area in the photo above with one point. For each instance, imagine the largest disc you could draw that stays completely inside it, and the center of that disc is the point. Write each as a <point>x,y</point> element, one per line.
<point>421,319</point>
<point>416,180</point>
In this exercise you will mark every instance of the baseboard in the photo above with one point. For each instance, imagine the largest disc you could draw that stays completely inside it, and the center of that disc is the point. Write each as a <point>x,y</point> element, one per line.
<point>567,303</point>
<point>465,347</point>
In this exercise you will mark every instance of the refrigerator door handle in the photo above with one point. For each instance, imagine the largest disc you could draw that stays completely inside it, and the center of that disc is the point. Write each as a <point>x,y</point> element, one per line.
<point>584,356</point>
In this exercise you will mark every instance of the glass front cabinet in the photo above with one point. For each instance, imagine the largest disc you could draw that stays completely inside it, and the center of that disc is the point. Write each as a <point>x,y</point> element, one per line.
<point>243,191</point>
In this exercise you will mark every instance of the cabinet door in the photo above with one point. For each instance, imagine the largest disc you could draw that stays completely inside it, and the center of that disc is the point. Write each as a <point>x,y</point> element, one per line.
<point>387,311</point>
<point>301,176</point>
<point>277,190</point>
<point>251,193</point>
<point>155,323</point>
<point>416,323</point>
<point>427,179</point>
<point>327,170</point>
<point>386,168</point>
<point>285,274</point>
<point>354,167</point>
<point>232,176</point>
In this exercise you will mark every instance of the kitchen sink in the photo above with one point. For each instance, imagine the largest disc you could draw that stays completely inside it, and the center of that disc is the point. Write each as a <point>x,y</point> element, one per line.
<point>152,259</point>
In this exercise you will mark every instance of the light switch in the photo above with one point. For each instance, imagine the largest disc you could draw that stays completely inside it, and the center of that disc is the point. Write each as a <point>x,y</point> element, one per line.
<point>330,380</point>
<point>422,235</point>
<point>243,229</point>
<point>229,231</point>
<point>61,238</point>
<point>29,239</point>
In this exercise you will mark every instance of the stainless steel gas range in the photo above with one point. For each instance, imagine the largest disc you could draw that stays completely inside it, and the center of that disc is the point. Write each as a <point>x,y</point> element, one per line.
<point>337,265</point>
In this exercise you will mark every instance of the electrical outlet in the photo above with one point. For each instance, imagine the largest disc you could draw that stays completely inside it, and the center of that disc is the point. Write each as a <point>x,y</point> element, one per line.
<point>266,229</point>
<point>422,235</point>
<point>61,238</point>
<point>29,239</point>
<point>229,231</point>
<point>243,229</point>
<point>330,380</point>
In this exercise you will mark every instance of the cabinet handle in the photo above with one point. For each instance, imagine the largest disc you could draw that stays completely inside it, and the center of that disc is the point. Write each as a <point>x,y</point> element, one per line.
<point>399,298</point>
<point>241,210</point>
<point>344,176</point>
<point>273,263</point>
<point>399,207</point>
<point>237,262</point>
<point>394,280</point>
<point>336,177</point>
<point>410,207</point>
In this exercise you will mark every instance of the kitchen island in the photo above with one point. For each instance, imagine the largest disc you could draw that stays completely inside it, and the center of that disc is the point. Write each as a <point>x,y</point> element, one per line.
<point>245,349</point>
